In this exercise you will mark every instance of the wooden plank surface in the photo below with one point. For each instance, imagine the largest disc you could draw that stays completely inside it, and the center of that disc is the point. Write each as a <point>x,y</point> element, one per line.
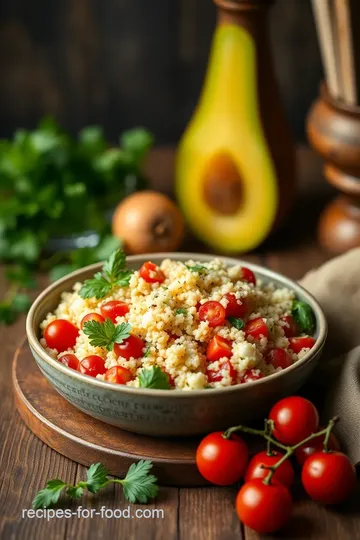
<point>189,514</point>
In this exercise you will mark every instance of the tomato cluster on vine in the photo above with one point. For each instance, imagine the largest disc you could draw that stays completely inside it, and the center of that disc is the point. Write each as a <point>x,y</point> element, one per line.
<point>264,502</point>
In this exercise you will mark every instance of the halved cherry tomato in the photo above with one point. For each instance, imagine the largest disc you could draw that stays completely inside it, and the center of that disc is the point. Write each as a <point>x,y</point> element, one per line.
<point>283,474</point>
<point>302,342</point>
<point>315,445</point>
<point>290,328</point>
<point>118,375</point>
<point>113,309</point>
<point>131,347</point>
<point>91,317</point>
<point>212,312</point>
<point>251,375</point>
<point>256,328</point>
<point>328,477</point>
<point>225,369</point>
<point>92,365</point>
<point>151,273</point>
<point>61,335</point>
<point>278,358</point>
<point>295,418</point>
<point>222,461</point>
<point>264,508</point>
<point>217,348</point>
<point>235,307</point>
<point>70,360</point>
<point>248,275</point>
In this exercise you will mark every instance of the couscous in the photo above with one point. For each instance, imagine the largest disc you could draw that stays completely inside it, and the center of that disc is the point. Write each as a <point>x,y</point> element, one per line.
<point>184,326</point>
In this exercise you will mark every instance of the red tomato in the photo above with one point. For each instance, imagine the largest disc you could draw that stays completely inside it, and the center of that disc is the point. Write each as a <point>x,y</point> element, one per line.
<point>298,343</point>
<point>212,312</point>
<point>70,360</point>
<point>235,307</point>
<point>291,328</point>
<point>248,275</point>
<point>61,335</point>
<point>222,461</point>
<point>91,317</point>
<point>315,445</point>
<point>328,477</point>
<point>217,348</point>
<point>278,358</point>
<point>264,508</point>
<point>131,347</point>
<point>284,474</point>
<point>92,365</point>
<point>256,328</point>
<point>295,418</point>
<point>113,309</point>
<point>151,273</point>
<point>118,375</point>
<point>251,375</point>
<point>225,369</point>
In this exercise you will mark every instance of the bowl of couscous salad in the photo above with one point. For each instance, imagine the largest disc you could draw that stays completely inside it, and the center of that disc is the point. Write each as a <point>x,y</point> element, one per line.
<point>175,344</point>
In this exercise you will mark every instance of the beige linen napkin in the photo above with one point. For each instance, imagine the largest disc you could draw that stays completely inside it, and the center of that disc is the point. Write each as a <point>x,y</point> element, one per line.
<point>336,286</point>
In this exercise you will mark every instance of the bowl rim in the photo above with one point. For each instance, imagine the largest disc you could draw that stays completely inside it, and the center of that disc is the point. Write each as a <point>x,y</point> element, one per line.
<point>177,393</point>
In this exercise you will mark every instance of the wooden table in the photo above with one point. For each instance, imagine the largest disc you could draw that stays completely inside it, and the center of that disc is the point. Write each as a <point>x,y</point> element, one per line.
<point>199,514</point>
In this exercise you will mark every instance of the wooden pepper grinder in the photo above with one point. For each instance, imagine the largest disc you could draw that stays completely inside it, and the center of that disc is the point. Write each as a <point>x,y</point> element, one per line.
<point>235,169</point>
<point>334,131</point>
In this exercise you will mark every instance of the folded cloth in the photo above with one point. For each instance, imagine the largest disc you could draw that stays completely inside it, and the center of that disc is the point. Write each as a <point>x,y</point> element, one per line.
<point>336,286</point>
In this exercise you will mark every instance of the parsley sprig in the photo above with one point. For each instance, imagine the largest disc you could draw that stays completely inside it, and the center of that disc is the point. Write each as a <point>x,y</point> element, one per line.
<point>138,485</point>
<point>114,274</point>
<point>198,268</point>
<point>304,316</point>
<point>106,334</point>
<point>154,377</point>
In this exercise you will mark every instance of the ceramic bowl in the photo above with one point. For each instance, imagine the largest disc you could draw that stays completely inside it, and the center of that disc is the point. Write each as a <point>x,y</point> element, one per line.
<point>170,412</point>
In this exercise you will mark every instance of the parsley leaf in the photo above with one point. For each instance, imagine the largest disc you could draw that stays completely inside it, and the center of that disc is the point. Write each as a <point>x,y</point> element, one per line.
<point>197,268</point>
<point>106,334</point>
<point>154,377</point>
<point>138,484</point>
<point>181,311</point>
<point>113,274</point>
<point>304,317</point>
<point>238,323</point>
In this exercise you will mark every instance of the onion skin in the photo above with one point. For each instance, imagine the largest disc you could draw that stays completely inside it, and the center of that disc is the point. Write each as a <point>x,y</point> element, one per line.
<point>148,222</point>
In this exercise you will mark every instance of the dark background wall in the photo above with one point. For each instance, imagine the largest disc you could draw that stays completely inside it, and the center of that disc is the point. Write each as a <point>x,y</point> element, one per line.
<point>122,63</point>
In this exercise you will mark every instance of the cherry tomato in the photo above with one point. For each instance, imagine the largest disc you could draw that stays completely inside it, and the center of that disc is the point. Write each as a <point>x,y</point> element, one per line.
<point>248,275</point>
<point>113,309</point>
<point>299,343</point>
<point>251,375</point>
<point>226,369</point>
<point>284,474</point>
<point>264,508</point>
<point>212,312</point>
<point>217,348</point>
<point>278,358</point>
<point>235,307</point>
<point>131,347</point>
<point>290,328</point>
<point>92,365</point>
<point>256,328</point>
<point>91,317</point>
<point>61,335</point>
<point>70,360</point>
<point>315,445</point>
<point>328,477</point>
<point>151,273</point>
<point>295,418</point>
<point>222,461</point>
<point>118,375</point>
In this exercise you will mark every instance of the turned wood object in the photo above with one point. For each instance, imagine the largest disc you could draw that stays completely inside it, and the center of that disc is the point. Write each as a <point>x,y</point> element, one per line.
<point>334,131</point>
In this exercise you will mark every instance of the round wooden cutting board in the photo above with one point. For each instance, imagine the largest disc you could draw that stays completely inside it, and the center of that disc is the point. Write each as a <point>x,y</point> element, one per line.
<point>86,440</point>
